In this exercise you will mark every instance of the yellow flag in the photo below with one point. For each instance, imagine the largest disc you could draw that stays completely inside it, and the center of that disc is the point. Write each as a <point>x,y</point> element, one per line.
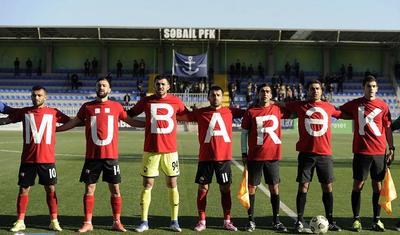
<point>388,193</point>
<point>243,194</point>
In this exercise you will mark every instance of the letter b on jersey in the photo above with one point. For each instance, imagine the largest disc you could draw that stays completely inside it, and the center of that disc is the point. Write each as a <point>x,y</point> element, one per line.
<point>161,117</point>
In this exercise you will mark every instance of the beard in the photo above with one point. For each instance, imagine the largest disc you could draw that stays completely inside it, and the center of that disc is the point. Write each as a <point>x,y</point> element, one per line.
<point>101,95</point>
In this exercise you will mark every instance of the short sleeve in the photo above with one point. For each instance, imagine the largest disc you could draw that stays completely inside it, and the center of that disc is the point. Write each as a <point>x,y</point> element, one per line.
<point>246,121</point>
<point>81,113</point>
<point>61,117</point>
<point>17,116</point>
<point>138,108</point>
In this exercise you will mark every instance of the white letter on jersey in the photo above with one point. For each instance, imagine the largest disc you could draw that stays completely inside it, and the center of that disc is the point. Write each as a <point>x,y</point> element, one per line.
<point>323,121</point>
<point>369,119</point>
<point>216,118</point>
<point>270,130</point>
<point>30,125</point>
<point>167,117</point>
<point>110,130</point>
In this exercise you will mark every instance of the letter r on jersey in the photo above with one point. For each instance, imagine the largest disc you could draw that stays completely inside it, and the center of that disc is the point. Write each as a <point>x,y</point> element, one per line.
<point>270,130</point>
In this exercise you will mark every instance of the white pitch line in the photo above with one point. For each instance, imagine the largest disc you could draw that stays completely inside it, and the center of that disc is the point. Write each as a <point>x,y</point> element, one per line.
<point>283,206</point>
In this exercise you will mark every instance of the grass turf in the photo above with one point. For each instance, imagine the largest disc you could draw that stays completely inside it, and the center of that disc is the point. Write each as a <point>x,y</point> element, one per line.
<point>70,149</point>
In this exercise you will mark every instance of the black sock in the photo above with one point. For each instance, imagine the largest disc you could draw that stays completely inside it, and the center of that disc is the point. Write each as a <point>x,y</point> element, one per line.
<point>275,201</point>
<point>327,199</point>
<point>250,211</point>
<point>355,204</point>
<point>300,204</point>
<point>376,207</point>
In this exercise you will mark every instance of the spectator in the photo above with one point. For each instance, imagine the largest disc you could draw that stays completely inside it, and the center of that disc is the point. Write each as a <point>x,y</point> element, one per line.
<point>75,83</point>
<point>139,87</point>
<point>282,92</point>
<point>28,64</point>
<point>301,77</point>
<point>135,68</point>
<point>350,71</point>
<point>289,94</point>
<point>300,92</point>
<point>39,68</point>
<point>16,67</point>
<point>340,81</point>
<point>232,72</point>
<point>249,95</point>
<point>296,68</point>
<point>232,92</point>
<point>202,86</point>
<point>288,69</point>
<point>342,70</point>
<point>142,68</point>
<point>127,99</point>
<point>238,84</point>
<point>250,71</point>
<point>86,66</point>
<point>119,69</point>
<point>260,70</point>
<point>95,65</point>
<point>243,71</point>
<point>237,68</point>
<point>273,81</point>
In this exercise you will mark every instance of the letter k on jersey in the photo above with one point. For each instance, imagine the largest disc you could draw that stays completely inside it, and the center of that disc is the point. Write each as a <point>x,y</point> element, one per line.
<point>368,119</point>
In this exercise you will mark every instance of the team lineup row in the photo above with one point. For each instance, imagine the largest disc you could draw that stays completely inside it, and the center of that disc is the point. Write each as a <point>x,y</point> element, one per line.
<point>260,145</point>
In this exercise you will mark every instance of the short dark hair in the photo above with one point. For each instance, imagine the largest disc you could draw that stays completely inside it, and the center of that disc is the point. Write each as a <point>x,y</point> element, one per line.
<point>368,79</point>
<point>315,81</point>
<point>215,88</point>
<point>262,85</point>
<point>37,88</point>
<point>161,76</point>
<point>107,78</point>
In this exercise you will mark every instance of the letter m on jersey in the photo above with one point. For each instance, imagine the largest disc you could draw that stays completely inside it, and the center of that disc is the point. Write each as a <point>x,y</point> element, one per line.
<point>30,126</point>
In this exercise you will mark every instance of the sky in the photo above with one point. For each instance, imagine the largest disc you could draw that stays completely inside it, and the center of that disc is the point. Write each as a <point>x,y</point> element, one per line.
<point>236,14</point>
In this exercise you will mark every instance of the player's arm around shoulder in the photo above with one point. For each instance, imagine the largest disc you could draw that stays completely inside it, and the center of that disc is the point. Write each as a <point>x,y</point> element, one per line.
<point>69,125</point>
<point>5,121</point>
<point>135,122</point>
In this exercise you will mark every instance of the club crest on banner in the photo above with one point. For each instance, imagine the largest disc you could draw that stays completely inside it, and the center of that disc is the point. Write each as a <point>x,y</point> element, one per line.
<point>189,65</point>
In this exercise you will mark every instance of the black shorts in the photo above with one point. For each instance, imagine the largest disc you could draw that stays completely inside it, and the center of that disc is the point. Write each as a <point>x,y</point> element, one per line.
<point>92,169</point>
<point>307,162</point>
<point>205,172</point>
<point>269,168</point>
<point>46,172</point>
<point>373,164</point>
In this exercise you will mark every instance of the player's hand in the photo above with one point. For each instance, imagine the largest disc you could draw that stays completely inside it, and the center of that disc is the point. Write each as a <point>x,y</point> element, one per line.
<point>389,157</point>
<point>244,158</point>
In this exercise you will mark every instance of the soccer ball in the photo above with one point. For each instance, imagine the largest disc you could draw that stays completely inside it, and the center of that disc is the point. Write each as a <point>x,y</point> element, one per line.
<point>319,224</point>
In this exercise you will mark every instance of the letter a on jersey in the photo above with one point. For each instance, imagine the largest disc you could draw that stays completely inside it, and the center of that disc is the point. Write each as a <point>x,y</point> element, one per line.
<point>368,119</point>
<point>110,128</point>
<point>216,118</point>
<point>166,117</point>
<point>30,125</point>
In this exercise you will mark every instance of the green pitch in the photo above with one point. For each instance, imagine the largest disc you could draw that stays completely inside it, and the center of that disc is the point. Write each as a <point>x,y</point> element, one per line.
<point>70,150</point>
